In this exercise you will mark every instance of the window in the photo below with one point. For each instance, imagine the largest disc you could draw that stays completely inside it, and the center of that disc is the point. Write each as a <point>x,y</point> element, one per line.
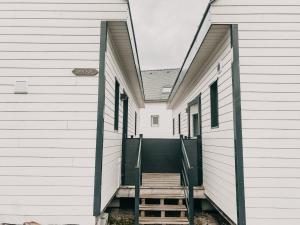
<point>117,102</point>
<point>154,121</point>
<point>179,124</point>
<point>195,125</point>
<point>173,126</point>
<point>135,123</point>
<point>214,108</point>
<point>166,90</point>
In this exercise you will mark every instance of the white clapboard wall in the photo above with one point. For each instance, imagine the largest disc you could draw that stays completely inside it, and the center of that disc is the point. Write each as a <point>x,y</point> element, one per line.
<point>111,174</point>
<point>48,136</point>
<point>269,38</point>
<point>218,143</point>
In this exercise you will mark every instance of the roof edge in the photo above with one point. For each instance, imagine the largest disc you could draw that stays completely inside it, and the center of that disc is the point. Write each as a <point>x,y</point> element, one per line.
<point>160,69</point>
<point>140,78</point>
<point>174,90</point>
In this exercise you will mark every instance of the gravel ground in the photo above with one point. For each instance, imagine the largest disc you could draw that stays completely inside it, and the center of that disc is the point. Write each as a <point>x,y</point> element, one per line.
<point>209,219</point>
<point>125,217</point>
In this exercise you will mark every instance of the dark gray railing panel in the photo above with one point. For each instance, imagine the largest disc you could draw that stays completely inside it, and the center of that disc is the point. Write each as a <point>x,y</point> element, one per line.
<point>191,149</point>
<point>131,154</point>
<point>161,156</point>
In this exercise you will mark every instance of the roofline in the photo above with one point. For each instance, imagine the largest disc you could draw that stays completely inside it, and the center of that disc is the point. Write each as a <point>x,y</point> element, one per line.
<point>160,69</point>
<point>173,91</point>
<point>156,101</point>
<point>140,78</point>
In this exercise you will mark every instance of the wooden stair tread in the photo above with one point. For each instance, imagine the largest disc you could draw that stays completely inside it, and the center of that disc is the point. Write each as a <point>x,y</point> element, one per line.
<point>154,207</point>
<point>162,196</point>
<point>161,179</point>
<point>164,220</point>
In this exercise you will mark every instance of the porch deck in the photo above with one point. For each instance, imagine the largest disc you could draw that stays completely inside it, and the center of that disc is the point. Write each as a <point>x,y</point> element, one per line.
<point>162,192</point>
<point>158,186</point>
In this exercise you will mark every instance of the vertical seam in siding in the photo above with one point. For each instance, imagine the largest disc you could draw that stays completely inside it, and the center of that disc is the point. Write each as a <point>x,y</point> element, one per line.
<point>237,120</point>
<point>100,121</point>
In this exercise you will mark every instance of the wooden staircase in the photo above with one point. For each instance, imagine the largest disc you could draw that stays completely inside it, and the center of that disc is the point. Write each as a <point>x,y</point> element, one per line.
<point>161,206</point>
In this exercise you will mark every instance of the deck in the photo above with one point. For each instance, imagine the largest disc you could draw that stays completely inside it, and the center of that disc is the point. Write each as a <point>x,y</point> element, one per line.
<point>157,185</point>
<point>170,192</point>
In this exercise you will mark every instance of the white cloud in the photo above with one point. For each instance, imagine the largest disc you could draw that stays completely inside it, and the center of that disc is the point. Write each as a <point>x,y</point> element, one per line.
<point>165,29</point>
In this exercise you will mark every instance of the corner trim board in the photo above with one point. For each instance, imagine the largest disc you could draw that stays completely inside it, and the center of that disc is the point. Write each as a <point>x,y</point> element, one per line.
<point>100,121</point>
<point>237,124</point>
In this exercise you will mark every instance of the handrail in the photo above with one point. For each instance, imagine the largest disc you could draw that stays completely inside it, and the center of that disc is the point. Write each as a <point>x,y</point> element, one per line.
<point>138,164</point>
<point>138,181</point>
<point>187,176</point>
<point>185,156</point>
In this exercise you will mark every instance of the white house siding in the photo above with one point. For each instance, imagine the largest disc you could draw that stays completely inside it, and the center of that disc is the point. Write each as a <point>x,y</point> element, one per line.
<point>47,137</point>
<point>165,129</point>
<point>111,173</point>
<point>218,143</point>
<point>269,33</point>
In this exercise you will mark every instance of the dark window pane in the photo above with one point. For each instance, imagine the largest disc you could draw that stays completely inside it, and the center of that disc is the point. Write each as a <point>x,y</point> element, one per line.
<point>135,123</point>
<point>155,121</point>
<point>117,102</point>
<point>173,126</point>
<point>195,125</point>
<point>179,124</point>
<point>214,105</point>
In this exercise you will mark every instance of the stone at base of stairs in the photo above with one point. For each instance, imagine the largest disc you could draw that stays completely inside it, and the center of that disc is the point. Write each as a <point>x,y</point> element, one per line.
<point>209,219</point>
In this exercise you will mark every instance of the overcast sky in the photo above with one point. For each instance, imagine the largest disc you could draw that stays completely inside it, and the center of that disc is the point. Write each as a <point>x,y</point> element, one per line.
<point>164,30</point>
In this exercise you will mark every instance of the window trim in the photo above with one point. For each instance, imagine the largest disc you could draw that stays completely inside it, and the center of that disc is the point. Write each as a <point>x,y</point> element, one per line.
<point>117,105</point>
<point>214,108</point>
<point>152,124</point>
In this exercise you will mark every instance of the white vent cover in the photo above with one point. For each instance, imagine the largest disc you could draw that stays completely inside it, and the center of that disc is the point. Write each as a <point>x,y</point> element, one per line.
<point>21,87</point>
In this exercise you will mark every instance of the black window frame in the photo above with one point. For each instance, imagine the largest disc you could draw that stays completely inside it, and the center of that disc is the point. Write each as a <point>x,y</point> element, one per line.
<point>117,105</point>
<point>214,105</point>
<point>179,123</point>
<point>135,123</point>
<point>173,126</point>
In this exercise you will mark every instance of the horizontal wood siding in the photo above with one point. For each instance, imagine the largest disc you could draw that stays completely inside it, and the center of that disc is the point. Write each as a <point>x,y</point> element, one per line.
<point>218,143</point>
<point>269,33</point>
<point>111,171</point>
<point>48,136</point>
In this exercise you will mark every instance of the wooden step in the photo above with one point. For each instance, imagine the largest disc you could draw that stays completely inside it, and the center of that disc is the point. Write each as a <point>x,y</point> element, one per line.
<point>164,220</point>
<point>161,179</point>
<point>154,207</point>
<point>163,196</point>
<point>129,191</point>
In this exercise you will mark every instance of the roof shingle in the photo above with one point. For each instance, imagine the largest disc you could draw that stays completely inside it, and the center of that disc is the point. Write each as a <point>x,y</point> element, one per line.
<point>155,80</point>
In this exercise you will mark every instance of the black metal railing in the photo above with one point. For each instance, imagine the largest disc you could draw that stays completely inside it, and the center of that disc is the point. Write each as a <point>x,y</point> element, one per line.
<point>138,183</point>
<point>187,182</point>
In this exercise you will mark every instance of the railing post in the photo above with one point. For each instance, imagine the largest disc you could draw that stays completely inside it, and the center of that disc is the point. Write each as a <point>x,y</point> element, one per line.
<point>191,197</point>
<point>137,197</point>
<point>199,160</point>
<point>180,140</point>
<point>138,182</point>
